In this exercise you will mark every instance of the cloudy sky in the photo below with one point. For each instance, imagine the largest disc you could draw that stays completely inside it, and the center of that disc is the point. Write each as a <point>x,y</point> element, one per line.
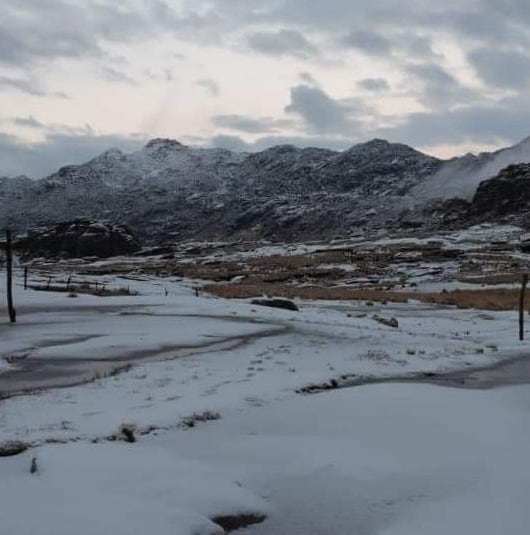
<point>80,76</point>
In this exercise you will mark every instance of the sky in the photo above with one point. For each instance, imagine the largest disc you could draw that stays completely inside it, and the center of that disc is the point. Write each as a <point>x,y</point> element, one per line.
<point>78,77</point>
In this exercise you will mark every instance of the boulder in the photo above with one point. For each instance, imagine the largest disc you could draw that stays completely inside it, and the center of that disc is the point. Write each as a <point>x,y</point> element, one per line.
<point>10,449</point>
<point>286,304</point>
<point>389,322</point>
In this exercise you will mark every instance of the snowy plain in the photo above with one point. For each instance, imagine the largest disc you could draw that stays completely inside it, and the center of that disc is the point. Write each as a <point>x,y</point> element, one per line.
<point>388,458</point>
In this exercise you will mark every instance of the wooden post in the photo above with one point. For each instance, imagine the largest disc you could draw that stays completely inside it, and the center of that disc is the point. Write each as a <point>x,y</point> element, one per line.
<point>25,277</point>
<point>9,274</point>
<point>524,281</point>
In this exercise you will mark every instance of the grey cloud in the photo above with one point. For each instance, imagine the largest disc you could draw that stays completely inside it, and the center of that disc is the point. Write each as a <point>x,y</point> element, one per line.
<point>28,122</point>
<point>488,21</point>
<point>209,85</point>
<point>115,75</point>
<point>486,123</point>
<point>320,112</point>
<point>421,48</point>
<point>166,75</point>
<point>41,159</point>
<point>251,125</point>
<point>307,77</point>
<point>281,42</point>
<point>233,143</point>
<point>34,32</point>
<point>374,84</point>
<point>440,87</point>
<point>25,85</point>
<point>37,31</point>
<point>502,68</point>
<point>369,42</point>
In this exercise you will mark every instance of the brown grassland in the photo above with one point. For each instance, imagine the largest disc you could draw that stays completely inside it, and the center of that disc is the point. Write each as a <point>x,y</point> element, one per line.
<point>486,299</point>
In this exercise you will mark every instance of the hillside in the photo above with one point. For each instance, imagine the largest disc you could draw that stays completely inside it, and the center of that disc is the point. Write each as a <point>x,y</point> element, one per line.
<point>169,191</point>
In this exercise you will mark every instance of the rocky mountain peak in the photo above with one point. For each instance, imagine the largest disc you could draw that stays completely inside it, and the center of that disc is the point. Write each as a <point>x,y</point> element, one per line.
<point>372,144</point>
<point>163,144</point>
<point>112,154</point>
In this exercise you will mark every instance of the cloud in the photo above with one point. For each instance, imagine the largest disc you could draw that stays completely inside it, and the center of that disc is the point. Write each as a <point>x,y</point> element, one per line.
<point>114,75</point>
<point>439,87</point>
<point>28,122</point>
<point>281,43</point>
<point>319,111</point>
<point>374,84</point>
<point>41,159</point>
<point>422,48</point>
<point>211,86</point>
<point>233,143</point>
<point>39,30</point>
<point>251,125</point>
<point>26,85</point>
<point>507,119</point>
<point>163,75</point>
<point>32,33</point>
<point>369,42</point>
<point>308,78</point>
<point>421,42</point>
<point>502,68</point>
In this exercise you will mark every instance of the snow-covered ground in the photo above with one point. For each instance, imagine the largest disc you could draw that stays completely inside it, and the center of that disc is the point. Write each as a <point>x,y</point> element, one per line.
<point>385,459</point>
<point>376,459</point>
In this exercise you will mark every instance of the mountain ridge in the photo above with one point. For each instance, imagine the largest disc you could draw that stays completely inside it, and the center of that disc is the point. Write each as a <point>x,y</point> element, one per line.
<point>168,190</point>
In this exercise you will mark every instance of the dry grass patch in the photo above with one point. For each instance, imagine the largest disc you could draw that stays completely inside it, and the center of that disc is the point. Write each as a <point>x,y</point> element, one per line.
<point>300,260</point>
<point>493,299</point>
<point>243,291</point>
<point>217,271</point>
<point>99,290</point>
<point>499,278</point>
<point>273,269</point>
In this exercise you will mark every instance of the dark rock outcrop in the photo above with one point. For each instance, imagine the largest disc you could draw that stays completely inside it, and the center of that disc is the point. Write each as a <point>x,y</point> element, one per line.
<point>10,449</point>
<point>77,239</point>
<point>506,194</point>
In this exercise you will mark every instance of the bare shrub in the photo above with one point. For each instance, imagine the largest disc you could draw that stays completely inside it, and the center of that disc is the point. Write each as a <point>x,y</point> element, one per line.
<point>191,421</point>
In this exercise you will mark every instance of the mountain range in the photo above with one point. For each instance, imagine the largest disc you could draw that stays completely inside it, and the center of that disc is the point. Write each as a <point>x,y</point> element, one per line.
<point>168,191</point>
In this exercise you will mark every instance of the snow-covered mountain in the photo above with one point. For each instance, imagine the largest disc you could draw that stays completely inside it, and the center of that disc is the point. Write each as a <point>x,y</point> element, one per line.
<point>169,191</point>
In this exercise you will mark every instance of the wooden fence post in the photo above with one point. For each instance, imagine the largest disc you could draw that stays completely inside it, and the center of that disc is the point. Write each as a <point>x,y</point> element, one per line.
<point>9,275</point>
<point>524,281</point>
